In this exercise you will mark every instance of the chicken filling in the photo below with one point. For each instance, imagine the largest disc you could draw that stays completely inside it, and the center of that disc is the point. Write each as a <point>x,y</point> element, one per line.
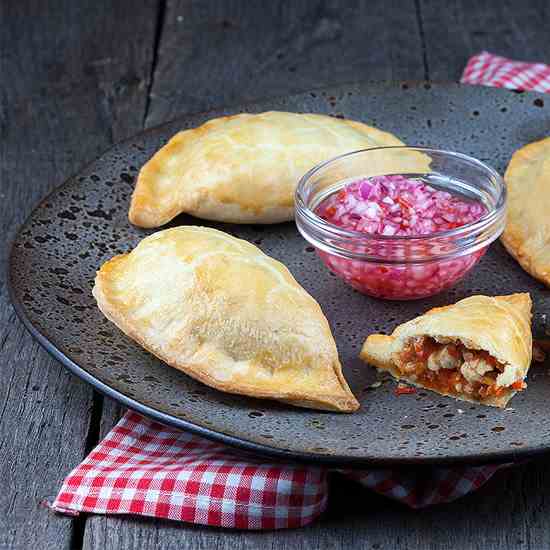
<point>452,368</point>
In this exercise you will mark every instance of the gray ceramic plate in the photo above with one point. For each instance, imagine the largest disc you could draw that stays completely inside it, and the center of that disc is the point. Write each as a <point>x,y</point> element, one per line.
<point>83,223</point>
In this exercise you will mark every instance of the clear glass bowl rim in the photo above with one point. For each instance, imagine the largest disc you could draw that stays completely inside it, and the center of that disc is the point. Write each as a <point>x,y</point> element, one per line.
<point>307,214</point>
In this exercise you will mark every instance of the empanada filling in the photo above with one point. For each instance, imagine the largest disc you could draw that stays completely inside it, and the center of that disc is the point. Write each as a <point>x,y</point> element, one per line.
<point>450,367</point>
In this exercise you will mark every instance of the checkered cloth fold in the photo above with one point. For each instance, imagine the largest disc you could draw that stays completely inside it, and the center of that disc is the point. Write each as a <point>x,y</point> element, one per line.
<point>420,489</point>
<point>143,467</point>
<point>487,69</point>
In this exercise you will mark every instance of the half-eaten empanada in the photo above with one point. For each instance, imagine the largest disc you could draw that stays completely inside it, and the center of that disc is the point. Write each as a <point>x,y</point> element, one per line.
<point>223,312</point>
<point>243,168</point>
<point>477,350</point>
<point>527,232</point>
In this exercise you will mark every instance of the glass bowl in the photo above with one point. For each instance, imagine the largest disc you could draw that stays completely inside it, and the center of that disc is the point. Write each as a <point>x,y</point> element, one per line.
<point>402,267</point>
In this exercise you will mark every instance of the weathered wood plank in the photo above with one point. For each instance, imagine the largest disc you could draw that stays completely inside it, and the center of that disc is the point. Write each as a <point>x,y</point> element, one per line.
<point>461,28</point>
<point>498,516</point>
<point>74,78</point>
<point>225,52</point>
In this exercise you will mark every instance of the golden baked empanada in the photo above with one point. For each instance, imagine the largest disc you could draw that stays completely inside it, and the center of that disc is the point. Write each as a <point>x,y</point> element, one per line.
<point>527,232</point>
<point>223,312</point>
<point>243,168</point>
<point>477,350</point>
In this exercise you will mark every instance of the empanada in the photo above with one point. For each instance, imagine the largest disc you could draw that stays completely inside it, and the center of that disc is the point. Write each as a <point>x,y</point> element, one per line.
<point>477,350</point>
<point>527,232</point>
<point>223,312</point>
<point>243,168</point>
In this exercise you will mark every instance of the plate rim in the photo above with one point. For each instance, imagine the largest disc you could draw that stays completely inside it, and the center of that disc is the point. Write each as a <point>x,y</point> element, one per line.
<point>261,449</point>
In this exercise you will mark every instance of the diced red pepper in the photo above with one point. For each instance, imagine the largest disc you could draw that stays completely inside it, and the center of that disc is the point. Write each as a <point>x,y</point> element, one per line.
<point>518,385</point>
<point>404,390</point>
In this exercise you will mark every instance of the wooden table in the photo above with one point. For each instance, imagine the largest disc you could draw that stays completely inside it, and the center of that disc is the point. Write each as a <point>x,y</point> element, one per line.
<point>75,77</point>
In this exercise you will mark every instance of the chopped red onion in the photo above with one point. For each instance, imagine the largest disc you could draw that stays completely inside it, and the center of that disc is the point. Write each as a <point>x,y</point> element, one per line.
<point>397,206</point>
<point>398,201</point>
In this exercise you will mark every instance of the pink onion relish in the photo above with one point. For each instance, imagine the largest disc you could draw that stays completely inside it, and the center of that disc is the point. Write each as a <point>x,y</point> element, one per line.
<point>399,206</point>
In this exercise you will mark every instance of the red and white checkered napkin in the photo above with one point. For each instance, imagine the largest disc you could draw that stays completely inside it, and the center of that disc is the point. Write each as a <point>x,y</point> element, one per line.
<point>492,70</point>
<point>145,468</point>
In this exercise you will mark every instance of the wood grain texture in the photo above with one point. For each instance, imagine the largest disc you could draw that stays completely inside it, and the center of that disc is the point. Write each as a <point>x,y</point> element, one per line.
<point>225,52</point>
<point>91,76</point>
<point>463,28</point>
<point>215,53</point>
<point>74,78</point>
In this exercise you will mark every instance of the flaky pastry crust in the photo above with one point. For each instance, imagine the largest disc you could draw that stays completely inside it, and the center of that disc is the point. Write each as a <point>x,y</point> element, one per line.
<point>243,168</point>
<point>223,312</point>
<point>527,232</point>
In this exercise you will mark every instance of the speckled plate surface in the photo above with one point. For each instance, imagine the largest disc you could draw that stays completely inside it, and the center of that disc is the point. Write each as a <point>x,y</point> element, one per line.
<point>83,223</point>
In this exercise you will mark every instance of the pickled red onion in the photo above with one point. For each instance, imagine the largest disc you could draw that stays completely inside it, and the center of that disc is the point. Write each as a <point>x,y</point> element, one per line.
<point>395,205</point>
<point>399,206</point>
